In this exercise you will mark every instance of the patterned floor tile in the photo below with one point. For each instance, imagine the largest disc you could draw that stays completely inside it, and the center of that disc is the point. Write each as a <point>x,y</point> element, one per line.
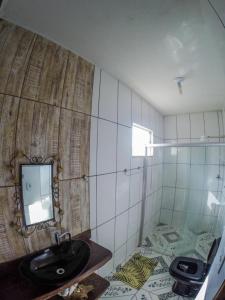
<point>159,283</point>
<point>142,295</point>
<point>115,291</point>
<point>117,298</point>
<point>118,289</point>
<point>164,294</point>
<point>173,241</point>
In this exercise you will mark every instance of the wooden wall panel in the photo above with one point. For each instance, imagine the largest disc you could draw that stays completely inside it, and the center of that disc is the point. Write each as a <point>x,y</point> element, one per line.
<point>12,245</point>
<point>77,91</point>
<point>46,72</point>
<point>15,49</point>
<point>8,117</point>
<point>39,126</point>
<point>72,193</point>
<point>38,130</point>
<point>45,102</point>
<point>74,142</point>
<point>38,136</point>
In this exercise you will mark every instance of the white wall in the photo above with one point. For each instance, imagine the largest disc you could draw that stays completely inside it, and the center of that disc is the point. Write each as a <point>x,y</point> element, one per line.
<point>116,195</point>
<point>190,174</point>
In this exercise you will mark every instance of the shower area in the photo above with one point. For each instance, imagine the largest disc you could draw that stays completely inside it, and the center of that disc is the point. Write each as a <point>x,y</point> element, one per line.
<point>188,212</point>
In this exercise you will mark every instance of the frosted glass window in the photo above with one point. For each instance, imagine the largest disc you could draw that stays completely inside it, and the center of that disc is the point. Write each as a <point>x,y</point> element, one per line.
<point>142,139</point>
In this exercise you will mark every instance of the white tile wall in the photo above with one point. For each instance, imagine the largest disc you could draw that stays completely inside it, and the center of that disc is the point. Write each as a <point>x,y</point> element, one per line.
<point>149,181</point>
<point>124,145</point>
<point>136,108</point>
<point>133,218</point>
<point>105,235</point>
<point>93,146</point>
<point>132,244</point>
<point>183,175</point>
<point>212,182</point>
<point>183,127</point>
<point>169,175</point>
<point>170,154</point>
<point>145,116</point>
<point>124,105</point>
<point>121,229</point>
<point>211,124</point>
<point>107,141</point>
<point>168,198</point>
<point>195,202</point>
<point>108,97</point>
<point>181,199</point>
<point>115,195</point>
<point>106,187</point>
<point>120,255</point>
<point>136,162</point>
<point>93,201</point>
<point>213,155</point>
<point>135,187</point>
<point>221,123</point>
<point>197,176</point>
<point>122,192</point>
<point>198,155</point>
<point>178,218</point>
<point>197,125</point>
<point>170,127</point>
<point>183,154</point>
<point>166,216</point>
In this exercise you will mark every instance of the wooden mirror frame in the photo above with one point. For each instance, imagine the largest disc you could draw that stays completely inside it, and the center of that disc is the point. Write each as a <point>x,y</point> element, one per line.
<point>18,223</point>
<point>22,192</point>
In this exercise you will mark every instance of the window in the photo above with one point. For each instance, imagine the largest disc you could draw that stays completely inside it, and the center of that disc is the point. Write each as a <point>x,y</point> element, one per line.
<point>141,138</point>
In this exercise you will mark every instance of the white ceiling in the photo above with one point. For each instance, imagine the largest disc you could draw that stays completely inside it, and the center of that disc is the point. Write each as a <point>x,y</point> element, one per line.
<point>145,43</point>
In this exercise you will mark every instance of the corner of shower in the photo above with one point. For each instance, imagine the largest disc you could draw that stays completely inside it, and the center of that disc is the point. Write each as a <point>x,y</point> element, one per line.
<point>192,199</point>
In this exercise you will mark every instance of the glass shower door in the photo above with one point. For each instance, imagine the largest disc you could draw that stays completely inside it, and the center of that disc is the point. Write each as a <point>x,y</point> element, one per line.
<point>192,201</point>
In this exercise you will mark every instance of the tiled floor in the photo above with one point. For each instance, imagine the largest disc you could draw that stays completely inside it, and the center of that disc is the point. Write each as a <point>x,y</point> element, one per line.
<point>173,241</point>
<point>158,287</point>
<point>168,240</point>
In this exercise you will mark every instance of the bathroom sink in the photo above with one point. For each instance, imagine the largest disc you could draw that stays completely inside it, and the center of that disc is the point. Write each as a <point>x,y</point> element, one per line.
<point>57,264</point>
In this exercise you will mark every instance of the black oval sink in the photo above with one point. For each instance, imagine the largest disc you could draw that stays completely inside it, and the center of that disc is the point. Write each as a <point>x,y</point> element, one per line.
<point>58,264</point>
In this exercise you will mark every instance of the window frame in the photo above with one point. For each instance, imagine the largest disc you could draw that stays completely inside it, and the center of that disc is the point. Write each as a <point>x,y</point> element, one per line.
<point>151,138</point>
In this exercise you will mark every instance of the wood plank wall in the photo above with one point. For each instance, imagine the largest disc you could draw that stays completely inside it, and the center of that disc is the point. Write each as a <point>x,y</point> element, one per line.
<point>45,107</point>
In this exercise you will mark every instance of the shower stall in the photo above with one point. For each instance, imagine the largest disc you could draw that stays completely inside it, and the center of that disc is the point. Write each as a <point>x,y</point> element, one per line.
<point>189,211</point>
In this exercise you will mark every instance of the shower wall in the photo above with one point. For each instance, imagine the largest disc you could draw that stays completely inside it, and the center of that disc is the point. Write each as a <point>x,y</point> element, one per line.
<point>193,177</point>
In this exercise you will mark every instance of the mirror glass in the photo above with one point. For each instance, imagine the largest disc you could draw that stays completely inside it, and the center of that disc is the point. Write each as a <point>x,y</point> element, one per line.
<point>37,193</point>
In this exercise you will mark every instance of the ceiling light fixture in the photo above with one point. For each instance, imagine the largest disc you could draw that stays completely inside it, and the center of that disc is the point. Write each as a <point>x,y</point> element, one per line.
<point>179,81</point>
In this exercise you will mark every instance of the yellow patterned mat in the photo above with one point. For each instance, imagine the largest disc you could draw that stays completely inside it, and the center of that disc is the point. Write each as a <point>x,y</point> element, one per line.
<point>136,271</point>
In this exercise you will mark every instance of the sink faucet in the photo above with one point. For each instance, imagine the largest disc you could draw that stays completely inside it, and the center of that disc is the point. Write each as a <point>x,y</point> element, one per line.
<point>58,237</point>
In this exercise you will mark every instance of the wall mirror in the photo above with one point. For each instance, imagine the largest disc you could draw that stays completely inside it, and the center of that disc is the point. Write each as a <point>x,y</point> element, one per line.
<point>36,181</point>
<point>37,205</point>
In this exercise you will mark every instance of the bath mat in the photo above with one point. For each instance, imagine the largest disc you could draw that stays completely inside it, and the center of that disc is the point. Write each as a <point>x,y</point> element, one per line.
<point>136,271</point>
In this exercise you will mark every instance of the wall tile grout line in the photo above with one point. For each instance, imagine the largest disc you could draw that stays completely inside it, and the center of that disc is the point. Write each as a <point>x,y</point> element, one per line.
<point>129,197</point>
<point>115,196</point>
<point>96,181</point>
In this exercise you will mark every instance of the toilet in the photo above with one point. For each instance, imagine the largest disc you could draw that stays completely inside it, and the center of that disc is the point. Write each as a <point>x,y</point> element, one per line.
<point>190,273</point>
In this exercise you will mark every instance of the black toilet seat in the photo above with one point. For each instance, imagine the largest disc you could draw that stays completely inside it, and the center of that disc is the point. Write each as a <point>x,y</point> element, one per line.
<point>197,274</point>
<point>190,273</point>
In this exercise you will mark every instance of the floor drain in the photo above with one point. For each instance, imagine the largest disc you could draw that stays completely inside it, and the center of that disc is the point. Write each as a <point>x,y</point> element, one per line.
<point>60,271</point>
